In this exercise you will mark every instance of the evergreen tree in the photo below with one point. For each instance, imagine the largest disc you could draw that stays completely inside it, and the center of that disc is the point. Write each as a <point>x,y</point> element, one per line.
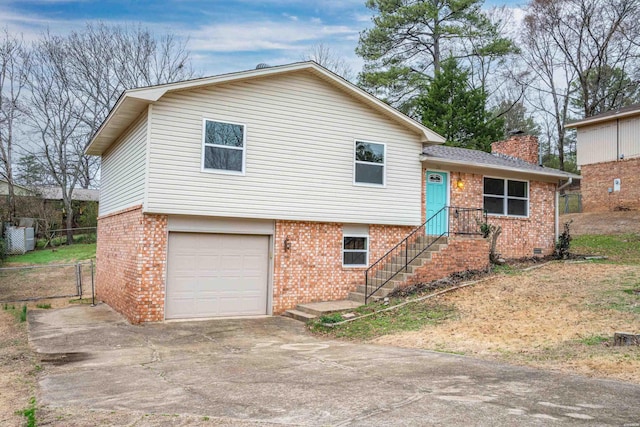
<point>409,38</point>
<point>457,111</point>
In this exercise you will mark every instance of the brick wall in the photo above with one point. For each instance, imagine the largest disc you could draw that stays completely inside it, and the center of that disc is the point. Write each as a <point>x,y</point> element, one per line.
<point>461,254</point>
<point>312,269</point>
<point>519,235</point>
<point>524,147</point>
<point>130,263</point>
<point>598,178</point>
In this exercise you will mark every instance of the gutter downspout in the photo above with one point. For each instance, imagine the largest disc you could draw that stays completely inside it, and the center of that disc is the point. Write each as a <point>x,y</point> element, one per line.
<point>562,187</point>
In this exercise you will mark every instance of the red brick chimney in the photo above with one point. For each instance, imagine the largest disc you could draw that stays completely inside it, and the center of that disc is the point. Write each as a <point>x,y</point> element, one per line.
<point>524,147</point>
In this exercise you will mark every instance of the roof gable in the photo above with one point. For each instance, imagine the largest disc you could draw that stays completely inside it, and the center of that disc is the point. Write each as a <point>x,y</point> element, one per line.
<point>135,101</point>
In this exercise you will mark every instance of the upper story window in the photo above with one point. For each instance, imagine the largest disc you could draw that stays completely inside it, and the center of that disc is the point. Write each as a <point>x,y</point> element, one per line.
<point>506,197</point>
<point>223,147</point>
<point>369,164</point>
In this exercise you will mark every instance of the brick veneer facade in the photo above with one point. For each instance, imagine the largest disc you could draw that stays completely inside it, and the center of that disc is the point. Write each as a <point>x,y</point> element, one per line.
<point>131,263</point>
<point>461,254</point>
<point>524,147</point>
<point>132,254</point>
<point>520,236</point>
<point>312,269</point>
<point>598,178</point>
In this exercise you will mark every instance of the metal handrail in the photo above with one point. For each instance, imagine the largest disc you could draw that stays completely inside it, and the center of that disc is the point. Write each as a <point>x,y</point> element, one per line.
<point>403,248</point>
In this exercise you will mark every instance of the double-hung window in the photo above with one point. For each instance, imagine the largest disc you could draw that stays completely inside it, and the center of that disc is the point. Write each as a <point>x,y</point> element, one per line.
<point>223,147</point>
<point>506,197</point>
<point>369,167</point>
<point>355,251</point>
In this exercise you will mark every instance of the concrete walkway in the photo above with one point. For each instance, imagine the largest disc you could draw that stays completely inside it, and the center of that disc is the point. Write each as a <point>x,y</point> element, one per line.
<point>270,370</point>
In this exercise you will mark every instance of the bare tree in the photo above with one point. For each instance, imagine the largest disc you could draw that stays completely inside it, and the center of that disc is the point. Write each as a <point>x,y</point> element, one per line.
<point>325,56</point>
<point>598,40</point>
<point>106,60</point>
<point>14,68</point>
<point>550,76</point>
<point>56,113</point>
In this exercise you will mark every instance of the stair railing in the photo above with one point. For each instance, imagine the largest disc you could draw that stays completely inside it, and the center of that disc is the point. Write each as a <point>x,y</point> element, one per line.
<point>448,220</point>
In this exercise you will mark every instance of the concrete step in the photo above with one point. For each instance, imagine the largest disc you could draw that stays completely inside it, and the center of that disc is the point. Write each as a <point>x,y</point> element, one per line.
<point>382,291</point>
<point>299,315</point>
<point>326,307</point>
<point>359,296</point>
<point>411,268</point>
<point>382,274</point>
<point>393,283</point>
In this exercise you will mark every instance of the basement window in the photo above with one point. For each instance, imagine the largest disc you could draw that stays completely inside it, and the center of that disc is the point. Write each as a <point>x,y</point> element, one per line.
<point>355,251</point>
<point>506,197</point>
<point>223,147</point>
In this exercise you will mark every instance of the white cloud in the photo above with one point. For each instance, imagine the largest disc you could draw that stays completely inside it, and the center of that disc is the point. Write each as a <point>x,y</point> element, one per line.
<point>258,35</point>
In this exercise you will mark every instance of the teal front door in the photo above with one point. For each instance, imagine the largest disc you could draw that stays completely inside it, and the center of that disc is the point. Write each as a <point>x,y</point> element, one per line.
<point>437,191</point>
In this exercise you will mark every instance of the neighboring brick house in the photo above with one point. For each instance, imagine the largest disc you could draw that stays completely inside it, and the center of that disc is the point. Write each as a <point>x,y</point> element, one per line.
<point>252,192</point>
<point>608,151</point>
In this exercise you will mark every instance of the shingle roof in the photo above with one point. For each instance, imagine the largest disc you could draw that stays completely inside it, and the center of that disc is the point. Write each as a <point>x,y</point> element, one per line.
<point>494,161</point>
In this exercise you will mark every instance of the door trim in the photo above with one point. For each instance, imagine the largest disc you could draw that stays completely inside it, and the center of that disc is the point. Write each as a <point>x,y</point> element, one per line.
<point>448,191</point>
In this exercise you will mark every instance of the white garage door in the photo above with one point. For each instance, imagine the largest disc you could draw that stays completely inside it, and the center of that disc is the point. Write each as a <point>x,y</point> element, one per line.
<point>212,275</point>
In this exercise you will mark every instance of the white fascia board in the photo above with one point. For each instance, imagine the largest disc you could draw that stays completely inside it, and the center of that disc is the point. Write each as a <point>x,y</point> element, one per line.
<point>594,120</point>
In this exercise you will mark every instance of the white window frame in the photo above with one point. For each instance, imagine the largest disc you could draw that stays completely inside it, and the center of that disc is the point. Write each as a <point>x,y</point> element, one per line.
<point>366,237</point>
<point>383,164</point>
<point>505,196</point>
<point>243,148</point>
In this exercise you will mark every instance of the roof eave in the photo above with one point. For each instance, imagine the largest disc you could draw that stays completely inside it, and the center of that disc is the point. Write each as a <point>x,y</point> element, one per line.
<point>594,120</point>
<point>551,173</point>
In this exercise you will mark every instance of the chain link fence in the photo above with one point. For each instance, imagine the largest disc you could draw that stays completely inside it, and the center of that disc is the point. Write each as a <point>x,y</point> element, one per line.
<point>35,282</point>
<point>570,203</point>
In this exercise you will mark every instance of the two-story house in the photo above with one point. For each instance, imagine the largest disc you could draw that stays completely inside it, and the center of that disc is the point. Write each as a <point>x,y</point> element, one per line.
<point>251,192</point>
<point>608,154</point>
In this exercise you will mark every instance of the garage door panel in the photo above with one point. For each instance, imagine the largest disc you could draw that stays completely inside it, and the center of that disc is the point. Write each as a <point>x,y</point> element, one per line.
<point>216,275</point>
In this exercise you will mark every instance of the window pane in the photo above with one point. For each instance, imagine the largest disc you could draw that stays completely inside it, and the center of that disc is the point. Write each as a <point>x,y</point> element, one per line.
<point>517,207</point>
<point>494,205</point>
<point>517,188</point>
<point>355,258</point>
<point>370,174</point>
<point>493,186</point>
<point>222,158</point>
<point>223,134</point>
<point>355,243</point>
<point>369,152</point>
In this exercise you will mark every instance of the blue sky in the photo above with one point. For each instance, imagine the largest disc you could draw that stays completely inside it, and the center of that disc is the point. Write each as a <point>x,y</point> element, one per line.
<point>223,35</point>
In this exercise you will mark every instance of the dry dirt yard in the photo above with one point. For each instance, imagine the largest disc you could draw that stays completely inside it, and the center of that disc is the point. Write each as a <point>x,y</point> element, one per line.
<point>561,316</point>
<point>603,223</point>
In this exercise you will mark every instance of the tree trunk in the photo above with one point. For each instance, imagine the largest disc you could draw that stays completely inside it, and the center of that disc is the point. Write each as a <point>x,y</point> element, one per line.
<point>69,222</point>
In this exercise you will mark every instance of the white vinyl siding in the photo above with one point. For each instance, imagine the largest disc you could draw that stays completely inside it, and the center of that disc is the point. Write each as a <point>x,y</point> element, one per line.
<point>630,137</point>
<point>123,169</point>
<point>300,134</point>
<point>605,142</point>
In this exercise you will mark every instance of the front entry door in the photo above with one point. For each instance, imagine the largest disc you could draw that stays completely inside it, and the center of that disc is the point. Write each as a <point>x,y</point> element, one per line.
<point>436,200</point>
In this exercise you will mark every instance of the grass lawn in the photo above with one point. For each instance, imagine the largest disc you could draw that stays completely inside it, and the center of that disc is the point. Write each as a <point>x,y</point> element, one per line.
<point>60,254</point>
<point>620,248</point>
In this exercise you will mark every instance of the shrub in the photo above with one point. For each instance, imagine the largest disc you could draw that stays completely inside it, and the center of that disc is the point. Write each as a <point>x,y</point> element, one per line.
<point>563,243</point>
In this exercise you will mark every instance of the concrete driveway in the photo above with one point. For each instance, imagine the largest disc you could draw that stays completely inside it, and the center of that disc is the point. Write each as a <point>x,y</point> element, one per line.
<point>269,370</point>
